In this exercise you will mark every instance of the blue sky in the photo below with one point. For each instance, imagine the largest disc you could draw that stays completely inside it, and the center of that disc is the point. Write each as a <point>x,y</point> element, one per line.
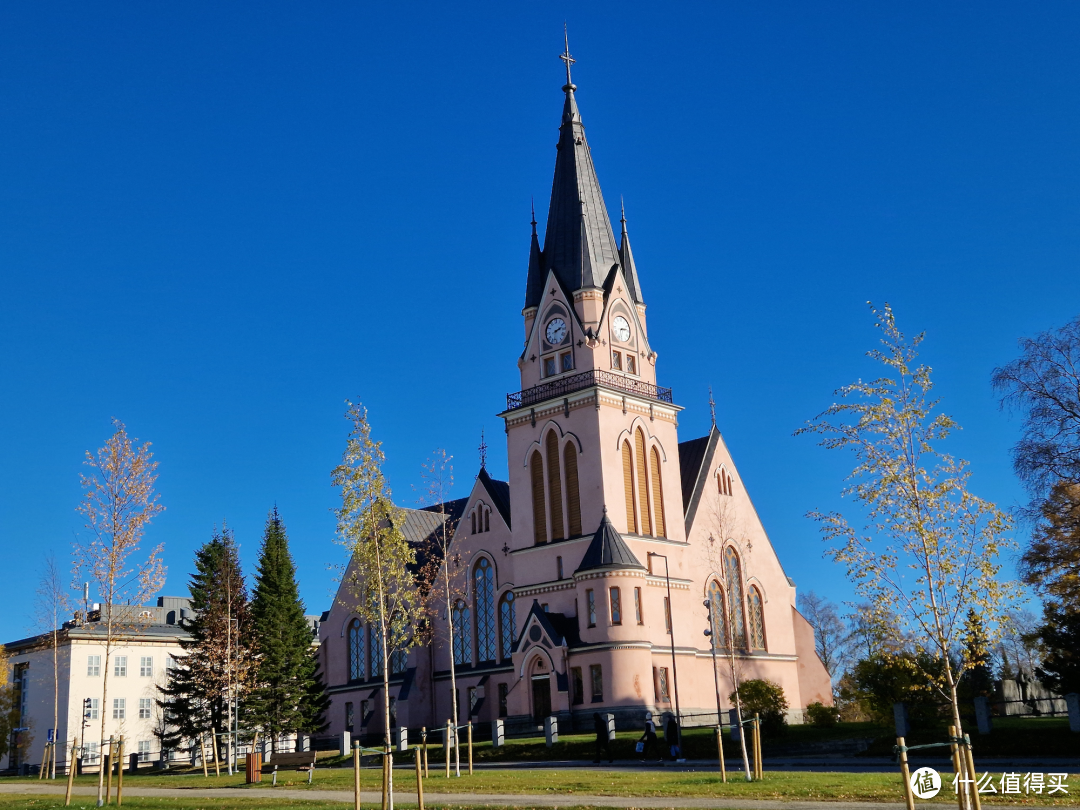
<point>219,221</point>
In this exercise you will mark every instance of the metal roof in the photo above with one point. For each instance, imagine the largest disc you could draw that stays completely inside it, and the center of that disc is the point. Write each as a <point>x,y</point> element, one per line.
<point>608,550</point>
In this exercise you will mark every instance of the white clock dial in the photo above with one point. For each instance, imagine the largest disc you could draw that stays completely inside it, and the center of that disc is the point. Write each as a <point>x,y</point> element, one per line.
<point>556,331</point>
<point>621,329</point>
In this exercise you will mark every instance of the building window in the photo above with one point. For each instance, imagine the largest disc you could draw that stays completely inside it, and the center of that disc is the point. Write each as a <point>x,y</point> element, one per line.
<point>631,364</point>
<point>349,716</point>
<point>170,664</point>
<point>628,488</point>
<point>536,475</point>
<point>462,634</point>
<point>642,482</point>
<point>590,604</point>
<point>93,713</point>
<point>637,606</point>
<point>473,701</point>
<point>757,619</point>
<point>558,567</point>
<point>658,494</point>
<point>616,361</point>
<point>144,751</point>
<point>90,756</point>
<point>723,482</point>
<point>554,486</point>
<point>356,651</point>
<point>662,683</point>
<point>733,581</point>
<point>719,616</point>
<point>566,361</point>
<point>146,667</point>
<point>507,624</point>
<point>393,712</point>
<point>578,685</point>
<point>119,708</point>
<point>573,497</point>
<point>503,692</point>
<point>144,708</point>
<point>473,516</point>
<point>549,367</point>
<point>487,520</point>
<point>616,606</point>
<point>375,652</point>
<point>399,661</point>
<point>365,712</point>
<point>667,616</point>
<point>596,676</point>
<point>93,666</point>
<point>120,666</point>
<point>484,590</point>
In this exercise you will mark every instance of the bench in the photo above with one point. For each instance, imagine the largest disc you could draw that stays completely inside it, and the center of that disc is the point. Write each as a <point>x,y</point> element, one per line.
<point>295,760</point>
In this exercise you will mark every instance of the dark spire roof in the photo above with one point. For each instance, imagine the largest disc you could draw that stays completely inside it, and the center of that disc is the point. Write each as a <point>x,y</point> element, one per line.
<point>608,550</point>
<point>534,287</point>
<point>626,258</point>
<point>579,245</point>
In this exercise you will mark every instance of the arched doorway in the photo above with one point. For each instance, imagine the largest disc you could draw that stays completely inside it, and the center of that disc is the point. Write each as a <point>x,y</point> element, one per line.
<point>540,676</point>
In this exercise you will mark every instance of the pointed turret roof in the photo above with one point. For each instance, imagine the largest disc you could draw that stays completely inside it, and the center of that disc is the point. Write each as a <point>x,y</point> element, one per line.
<point>626,258</point>
<point>579,245</point>
<point>608,550</point>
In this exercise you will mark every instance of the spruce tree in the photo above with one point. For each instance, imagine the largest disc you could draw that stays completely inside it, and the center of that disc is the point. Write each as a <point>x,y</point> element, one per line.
<point>288,695</point>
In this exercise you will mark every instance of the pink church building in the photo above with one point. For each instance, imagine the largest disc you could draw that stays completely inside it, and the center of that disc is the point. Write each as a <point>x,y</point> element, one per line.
<point>569,562</point>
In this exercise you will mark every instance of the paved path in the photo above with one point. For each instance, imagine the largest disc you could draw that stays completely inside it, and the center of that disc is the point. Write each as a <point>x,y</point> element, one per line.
<point>471,799</point>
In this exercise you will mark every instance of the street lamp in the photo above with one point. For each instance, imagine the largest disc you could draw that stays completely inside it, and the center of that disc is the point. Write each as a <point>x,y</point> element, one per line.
<point>671,632</point>
<point>710,634</point>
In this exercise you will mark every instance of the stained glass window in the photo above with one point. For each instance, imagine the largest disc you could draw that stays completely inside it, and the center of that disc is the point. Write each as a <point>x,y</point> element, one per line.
<point>733,575</point>
<point>484,590</point>
<point>375,652</point>
<point>462,634</point>
<point>719,616</point>
<point>757,620</point>
<point>507,625</point>
<point>356,651</point>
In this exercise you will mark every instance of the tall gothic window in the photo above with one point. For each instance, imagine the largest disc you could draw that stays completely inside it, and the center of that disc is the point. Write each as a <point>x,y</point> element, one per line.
<point>642,482</point>
<point>536,474</point>
<point>554,481</point>
<point>484,591</point>
<point>628,488</point>
<point>356,651</point>
<point>573,498</point>
<point>658,495</point>
<point>462,634</point>
<point>757,619</point>
<point>399,661</point>
<point>719,616</point>
<point>733,577</point>
<point>507,624</point>
<point>375,652</point>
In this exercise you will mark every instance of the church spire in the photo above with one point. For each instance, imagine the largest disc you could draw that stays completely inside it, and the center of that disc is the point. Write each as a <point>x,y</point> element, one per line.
<point>579,245</point>
<point>626,258</point>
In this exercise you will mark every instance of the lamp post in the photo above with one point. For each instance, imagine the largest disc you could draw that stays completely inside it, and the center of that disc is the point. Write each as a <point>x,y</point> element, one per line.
<point>711,635</point>
<point>671,632</point>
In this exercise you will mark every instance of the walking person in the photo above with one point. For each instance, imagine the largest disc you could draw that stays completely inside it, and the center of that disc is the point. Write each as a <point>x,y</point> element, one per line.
<point>671,731</point>
<point>602,741</point>
<point>648,740</point>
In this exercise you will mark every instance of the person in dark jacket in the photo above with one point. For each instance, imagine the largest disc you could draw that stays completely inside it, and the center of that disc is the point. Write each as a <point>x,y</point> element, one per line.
<point>602,741</point>
<point>671,731</point>
<point>649,739</point>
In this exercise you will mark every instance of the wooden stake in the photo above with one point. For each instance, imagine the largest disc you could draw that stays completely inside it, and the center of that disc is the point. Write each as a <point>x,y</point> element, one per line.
<point>72,767</point>
<point>356,775</point>
<point>446,748</point>
<point>120,774</point>
<point>470,748</point>
<point>202,753</point>
<point>109,764</point>
<point>419,782</point>
<point>217,763</point>
<point>720,751</point>
<point>44,762</point>
<point>759,772</point>
<point>905,773</point>
<point>423,743</point>
<point>957,769</point>
<point>971,770</point>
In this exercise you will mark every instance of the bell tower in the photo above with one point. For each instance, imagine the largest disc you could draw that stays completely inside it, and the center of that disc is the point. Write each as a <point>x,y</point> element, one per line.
<point>590,428</point>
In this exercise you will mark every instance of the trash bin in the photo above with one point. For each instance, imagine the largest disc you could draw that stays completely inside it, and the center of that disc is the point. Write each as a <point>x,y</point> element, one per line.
<point>254,767</point>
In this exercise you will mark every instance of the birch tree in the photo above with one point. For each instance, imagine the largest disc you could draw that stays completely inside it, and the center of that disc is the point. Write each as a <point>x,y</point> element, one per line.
<point>380,579</point>
<point>119,502</point>
<point>52,606</point>
<point>928,549</point>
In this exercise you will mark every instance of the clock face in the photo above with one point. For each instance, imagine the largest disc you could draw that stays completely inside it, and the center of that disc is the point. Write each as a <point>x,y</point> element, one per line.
<point>556,331</point>
<point>621,329</point>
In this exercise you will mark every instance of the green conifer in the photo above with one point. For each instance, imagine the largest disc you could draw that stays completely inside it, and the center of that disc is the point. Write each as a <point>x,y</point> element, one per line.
<point>288,695</point>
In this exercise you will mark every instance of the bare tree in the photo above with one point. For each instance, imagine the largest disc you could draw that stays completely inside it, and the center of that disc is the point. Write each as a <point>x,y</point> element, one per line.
<point>118,504</point>
<point>831,636</point>
<point>51,607</point>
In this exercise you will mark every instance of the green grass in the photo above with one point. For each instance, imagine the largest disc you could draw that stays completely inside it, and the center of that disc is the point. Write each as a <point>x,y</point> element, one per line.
<point>1010,736</point>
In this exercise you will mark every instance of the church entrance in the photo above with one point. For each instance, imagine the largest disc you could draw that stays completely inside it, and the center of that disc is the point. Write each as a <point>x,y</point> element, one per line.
<point>541,694</point>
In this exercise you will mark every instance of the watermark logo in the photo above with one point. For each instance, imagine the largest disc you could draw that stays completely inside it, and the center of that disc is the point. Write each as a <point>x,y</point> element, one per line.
<point>925,783</point>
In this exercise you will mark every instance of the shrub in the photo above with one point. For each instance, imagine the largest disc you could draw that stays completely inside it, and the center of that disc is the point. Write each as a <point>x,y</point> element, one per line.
<point>818,714</point>
<point>764,698</point>
<point>883,680</point>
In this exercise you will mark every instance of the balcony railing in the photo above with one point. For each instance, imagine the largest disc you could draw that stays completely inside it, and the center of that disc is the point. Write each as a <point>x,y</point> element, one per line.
<point>576,382</point>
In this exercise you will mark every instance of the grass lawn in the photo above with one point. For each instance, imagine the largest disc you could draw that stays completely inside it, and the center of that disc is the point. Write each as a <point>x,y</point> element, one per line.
<point>580,782</point>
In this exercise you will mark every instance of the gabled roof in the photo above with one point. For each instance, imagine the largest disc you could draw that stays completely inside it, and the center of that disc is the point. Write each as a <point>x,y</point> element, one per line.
<point>559,628</point>
<point>608,550</point>
<point>692,457</point>
<point>499,492</point>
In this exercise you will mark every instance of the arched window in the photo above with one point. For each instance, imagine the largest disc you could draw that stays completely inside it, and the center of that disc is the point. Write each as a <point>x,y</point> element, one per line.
<point>473,516</point>
<point>484,592</point>
<point>375,652</point>
<point>554,481</point>
<point>723,482</point>
<point>507,624</point>
<point>642,482</point>
<point>462,634</point>
<point>487,520</point>
<point>573,497</point>
<point>536,474</point>
<point>733,580</point>
<point>757,619</point>
<point>658,495</point>
<point>628,488</point>
<point>356,651</point>
<point>719,616</point>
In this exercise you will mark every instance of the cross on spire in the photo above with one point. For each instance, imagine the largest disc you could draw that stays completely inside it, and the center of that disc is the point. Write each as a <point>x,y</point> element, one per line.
<point>483,450</point>
<point>712,407</point>
<point>568,59</point>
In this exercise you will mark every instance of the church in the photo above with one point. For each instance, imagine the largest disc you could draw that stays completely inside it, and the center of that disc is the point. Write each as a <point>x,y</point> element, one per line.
<point>593,571</point>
